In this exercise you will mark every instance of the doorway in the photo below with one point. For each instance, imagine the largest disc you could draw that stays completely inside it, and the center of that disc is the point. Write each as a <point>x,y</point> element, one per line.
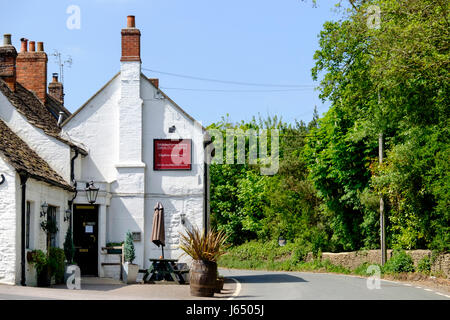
<point>85,238</point>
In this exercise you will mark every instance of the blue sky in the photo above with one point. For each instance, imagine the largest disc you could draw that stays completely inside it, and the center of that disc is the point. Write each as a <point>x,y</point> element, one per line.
<point>251,41</point>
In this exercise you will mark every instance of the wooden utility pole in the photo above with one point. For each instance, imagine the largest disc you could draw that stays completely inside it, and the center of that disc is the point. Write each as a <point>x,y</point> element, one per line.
<point>382,225</point>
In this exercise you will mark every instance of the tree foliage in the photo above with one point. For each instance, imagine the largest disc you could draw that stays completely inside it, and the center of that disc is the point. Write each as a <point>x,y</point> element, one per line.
<point>391,80</point>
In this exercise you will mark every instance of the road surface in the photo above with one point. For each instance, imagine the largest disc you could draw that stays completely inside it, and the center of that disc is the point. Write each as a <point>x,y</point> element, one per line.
<point>263,285</point>
<point>240,284</point>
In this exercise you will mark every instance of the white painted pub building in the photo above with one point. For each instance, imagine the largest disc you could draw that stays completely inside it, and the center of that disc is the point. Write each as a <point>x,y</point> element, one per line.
<point>130,140</point>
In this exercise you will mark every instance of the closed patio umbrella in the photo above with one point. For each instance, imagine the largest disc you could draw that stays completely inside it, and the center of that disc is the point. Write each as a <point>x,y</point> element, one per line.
<point>158,232</point>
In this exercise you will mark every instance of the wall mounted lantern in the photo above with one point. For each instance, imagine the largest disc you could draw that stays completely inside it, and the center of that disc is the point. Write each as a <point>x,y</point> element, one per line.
<point>67,214</point>
<point>44,209</point>
<point>91,192</point>
<point>183,218</point>
<point>172,129</point>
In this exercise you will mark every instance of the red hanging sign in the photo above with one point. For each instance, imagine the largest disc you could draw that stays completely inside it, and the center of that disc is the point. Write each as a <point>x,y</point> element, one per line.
<point>171,154</point>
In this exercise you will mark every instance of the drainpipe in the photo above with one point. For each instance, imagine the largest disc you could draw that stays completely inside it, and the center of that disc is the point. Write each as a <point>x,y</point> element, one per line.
<point>72,179</point>
<point>23,185</point>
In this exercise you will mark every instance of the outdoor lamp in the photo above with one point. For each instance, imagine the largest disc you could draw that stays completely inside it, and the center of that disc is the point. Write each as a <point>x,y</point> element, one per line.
<point>67,215</point>
<point>91,192</point>
<point>44,209</point>
<point>183,218</point>
<point>281,241</point>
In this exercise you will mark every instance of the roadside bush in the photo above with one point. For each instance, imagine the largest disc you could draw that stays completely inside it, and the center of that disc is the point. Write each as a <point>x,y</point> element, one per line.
<point>399,262</point>
<point>424,265</point>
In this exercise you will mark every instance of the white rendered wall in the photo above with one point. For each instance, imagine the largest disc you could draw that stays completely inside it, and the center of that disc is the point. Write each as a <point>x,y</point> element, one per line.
<point>10,227</point>
<point>8,218</point>
<point>178,191</point>
<point>54,152</point>
<point>38,192</point>
<point>96,127</point>
<point>127,168</point>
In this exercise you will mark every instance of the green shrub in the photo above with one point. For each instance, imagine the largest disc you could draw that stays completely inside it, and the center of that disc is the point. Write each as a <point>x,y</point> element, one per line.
<point>38,259</point>
<point>69,248</point>
<point>424,265</point>
<point>114,244</point>
<point>129,254</point>
<point>399,262</point>
<point>56,262</point>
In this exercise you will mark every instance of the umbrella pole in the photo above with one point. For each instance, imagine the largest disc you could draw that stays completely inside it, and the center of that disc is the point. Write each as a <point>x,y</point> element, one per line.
<point>162,248</point>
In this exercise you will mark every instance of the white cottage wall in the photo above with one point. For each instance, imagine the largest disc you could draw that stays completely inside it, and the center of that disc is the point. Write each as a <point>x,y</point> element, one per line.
<point>8,218</point>
<point>37,193</point>
<point>95,125</point>
<point>56,153</point>
<point>10,229</point>
<point>121,158</point>
<point>180,192</point>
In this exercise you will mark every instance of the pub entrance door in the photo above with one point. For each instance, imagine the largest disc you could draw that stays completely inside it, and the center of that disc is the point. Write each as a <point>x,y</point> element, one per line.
<point>85,238</point>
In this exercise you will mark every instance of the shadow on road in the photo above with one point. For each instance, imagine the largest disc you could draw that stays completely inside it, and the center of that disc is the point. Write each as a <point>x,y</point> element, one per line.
<point>269,278</point>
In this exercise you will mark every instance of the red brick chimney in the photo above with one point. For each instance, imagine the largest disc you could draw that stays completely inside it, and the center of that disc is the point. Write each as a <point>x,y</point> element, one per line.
<point>31,68</point>
<point>155,82</point>
<point>56,89</point>
<point>131,42</point>
<point>8,56</point>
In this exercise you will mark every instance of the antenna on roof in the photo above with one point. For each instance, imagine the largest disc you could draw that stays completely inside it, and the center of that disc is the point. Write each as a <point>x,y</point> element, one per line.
<point>59,60</point>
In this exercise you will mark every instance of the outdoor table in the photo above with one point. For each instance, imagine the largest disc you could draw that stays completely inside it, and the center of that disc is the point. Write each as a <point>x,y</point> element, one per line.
<point>164,268</point>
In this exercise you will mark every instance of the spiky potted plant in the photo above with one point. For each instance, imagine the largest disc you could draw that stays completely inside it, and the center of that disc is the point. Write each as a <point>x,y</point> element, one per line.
<point>130,270</point>
<point>204,249</point>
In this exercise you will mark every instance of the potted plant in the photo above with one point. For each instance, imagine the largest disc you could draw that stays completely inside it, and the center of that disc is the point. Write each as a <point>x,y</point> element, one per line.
<point>69,252</point>
<point>112,247</point>
<point>130,270</point>
<point>39,259</point>
<point>204,249</point>
<point>56,263</point>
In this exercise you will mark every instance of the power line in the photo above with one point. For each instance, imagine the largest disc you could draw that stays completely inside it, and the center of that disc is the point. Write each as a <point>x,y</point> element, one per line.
<point>232,82</point>
<point>243,91</point>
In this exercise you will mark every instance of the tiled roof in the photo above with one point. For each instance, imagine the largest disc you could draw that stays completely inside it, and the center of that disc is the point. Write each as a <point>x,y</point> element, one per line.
<point>36,113</point>
<point>24,159</point>
<point>54,106</point>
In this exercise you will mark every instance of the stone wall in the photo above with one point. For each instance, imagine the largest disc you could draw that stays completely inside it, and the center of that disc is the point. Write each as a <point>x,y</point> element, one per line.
<point>351,260</point>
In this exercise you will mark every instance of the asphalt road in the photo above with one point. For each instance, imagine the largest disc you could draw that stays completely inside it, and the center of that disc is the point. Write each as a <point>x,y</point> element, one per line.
<point>264,285</point>
<point>240,284</point>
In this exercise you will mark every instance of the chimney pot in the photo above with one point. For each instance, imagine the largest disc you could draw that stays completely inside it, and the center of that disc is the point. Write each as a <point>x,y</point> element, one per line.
<point>131,42</point>
<point>24,46</point>
<point>131,22</point>
<point>56,89</point>
<point>8,55</point>
<point>31,69</point>
<point>7,39</point>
